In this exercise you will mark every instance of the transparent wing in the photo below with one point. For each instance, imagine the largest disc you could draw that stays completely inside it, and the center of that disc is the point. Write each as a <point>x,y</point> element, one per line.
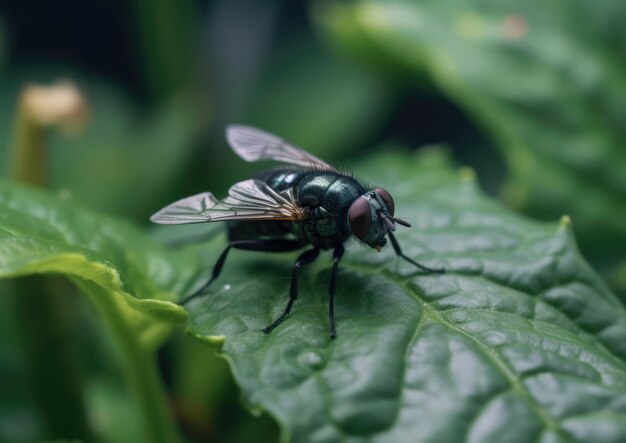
<point>253,145</point>
<point>247,200</point>
<point>188,210</point>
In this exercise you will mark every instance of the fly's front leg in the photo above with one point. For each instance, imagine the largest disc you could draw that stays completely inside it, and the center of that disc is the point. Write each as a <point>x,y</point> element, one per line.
<point>396,247</point>
<point>337,254</point>
<point>271,245</point>
<point>304,259</point>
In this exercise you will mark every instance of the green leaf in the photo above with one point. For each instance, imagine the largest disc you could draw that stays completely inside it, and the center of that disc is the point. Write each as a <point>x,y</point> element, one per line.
<point>131,280</point>
<point>41,233</point>
<point>545,81</point>
<point>518,341</point>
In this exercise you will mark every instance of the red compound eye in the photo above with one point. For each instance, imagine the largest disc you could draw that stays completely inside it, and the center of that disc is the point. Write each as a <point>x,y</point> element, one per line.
<point>387,199</point>
<point>360,218</point>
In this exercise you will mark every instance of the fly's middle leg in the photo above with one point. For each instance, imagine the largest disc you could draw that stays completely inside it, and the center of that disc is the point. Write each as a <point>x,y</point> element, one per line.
<point>265,245</point>
<point>304,259</point>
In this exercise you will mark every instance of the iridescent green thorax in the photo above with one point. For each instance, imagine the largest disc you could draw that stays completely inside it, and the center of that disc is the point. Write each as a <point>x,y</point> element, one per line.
<point>327,195</point>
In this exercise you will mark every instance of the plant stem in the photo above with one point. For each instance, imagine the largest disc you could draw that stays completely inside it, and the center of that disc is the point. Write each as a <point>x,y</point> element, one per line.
<point>138,365</point>
<point>48,338</point>
<point>47,335</point>
<point>29,156</point>
<point>52,363</point>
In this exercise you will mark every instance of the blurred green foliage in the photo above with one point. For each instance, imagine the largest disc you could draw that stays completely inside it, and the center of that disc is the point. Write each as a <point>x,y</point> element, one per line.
<point>545,81</point>
<point>530,94</point>
<point>122,148</point>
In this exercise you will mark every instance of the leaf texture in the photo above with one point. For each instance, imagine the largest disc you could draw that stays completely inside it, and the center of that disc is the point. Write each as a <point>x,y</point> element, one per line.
<point>41,233</point>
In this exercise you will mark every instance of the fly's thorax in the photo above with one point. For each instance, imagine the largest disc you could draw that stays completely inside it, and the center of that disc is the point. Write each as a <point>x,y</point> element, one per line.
<point>282,178</point>
<point>321,228</point>
<point>326,196</point>
<point>311,190</point>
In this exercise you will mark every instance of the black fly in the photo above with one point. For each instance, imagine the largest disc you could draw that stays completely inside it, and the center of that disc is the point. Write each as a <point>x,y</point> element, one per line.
<point>287,208</point>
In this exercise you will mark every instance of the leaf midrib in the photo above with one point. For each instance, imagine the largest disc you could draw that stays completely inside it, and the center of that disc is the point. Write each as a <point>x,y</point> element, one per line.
<point>431,312</point>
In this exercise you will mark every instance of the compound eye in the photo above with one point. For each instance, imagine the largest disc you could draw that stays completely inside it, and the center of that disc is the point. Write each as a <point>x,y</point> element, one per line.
<point>360,218</point>
<point>387,199</point>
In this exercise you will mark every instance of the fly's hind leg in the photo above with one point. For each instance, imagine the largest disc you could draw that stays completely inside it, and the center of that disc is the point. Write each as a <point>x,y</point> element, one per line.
<point>266,245</point>
<point>304,259</point>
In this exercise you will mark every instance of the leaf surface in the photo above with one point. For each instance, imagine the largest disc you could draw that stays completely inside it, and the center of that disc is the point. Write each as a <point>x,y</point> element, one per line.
<point>518,341</point>
<point>41,234</point>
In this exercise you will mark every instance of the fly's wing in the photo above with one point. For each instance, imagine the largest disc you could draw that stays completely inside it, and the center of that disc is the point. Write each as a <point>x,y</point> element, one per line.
<point>253,145</point>
<point>247,200</point>
<point>187,210</point>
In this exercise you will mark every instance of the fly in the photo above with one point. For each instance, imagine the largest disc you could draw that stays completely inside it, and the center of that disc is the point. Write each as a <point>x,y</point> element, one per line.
<point>308,203</point>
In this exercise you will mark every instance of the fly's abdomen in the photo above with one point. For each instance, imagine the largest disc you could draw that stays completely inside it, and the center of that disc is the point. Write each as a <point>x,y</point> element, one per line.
<point>253,230</point>
<point>278,179</point>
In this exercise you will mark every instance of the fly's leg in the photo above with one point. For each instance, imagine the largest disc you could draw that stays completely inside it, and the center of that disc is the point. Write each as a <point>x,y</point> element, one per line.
<point>396,247</point>
<point>216,273</point>
<point>272,245</point>
<point>337,254</point>
<point>306,258</point>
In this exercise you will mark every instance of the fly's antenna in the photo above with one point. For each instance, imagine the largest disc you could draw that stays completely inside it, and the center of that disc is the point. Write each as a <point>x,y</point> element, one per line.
<point>391,221</point>
<point>388,221</point>
<point>401,222</point>
<point>390,225</point>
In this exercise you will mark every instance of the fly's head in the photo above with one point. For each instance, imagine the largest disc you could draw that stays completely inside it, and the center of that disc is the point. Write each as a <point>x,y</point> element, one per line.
<point>370,217</point>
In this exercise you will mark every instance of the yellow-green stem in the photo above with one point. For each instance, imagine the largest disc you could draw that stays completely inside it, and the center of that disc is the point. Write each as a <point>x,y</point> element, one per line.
<point>138,365</point>
<point>28,164</point>
<point>50,347</point>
